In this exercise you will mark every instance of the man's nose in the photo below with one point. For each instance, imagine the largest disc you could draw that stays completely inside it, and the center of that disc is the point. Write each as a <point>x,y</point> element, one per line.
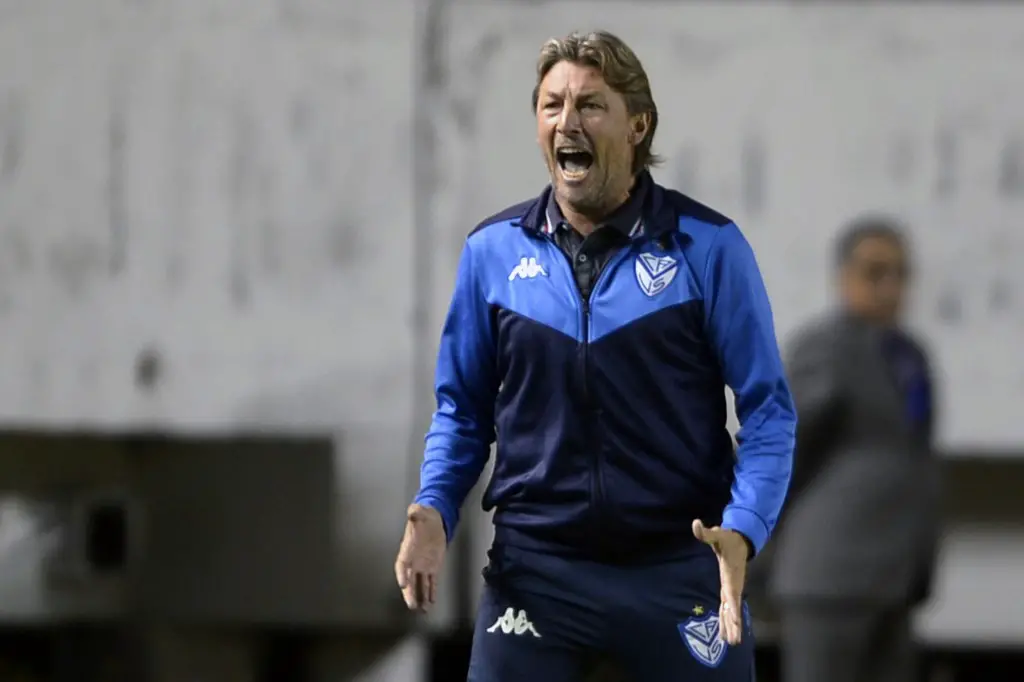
<point>890,291</point>
<point>569,119</point>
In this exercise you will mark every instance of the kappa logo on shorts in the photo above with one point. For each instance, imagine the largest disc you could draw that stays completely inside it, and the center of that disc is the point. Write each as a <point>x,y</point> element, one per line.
<point>654,273</point>
<point>512,623</point>
<point>701,637</point>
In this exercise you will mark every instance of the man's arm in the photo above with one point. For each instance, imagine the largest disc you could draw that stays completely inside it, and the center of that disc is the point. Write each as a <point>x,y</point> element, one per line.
<point>932,481</point>
<point>813,368</point>
<point>462,430</point>
<point>739,320</point>
<point>934,408</point>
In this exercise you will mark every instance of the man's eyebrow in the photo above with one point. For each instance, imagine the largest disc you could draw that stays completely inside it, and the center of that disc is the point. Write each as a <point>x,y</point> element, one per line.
<point>585,95</point>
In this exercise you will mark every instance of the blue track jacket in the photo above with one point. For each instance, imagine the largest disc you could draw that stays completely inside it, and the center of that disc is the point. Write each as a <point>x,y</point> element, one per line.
<point>610,414</point>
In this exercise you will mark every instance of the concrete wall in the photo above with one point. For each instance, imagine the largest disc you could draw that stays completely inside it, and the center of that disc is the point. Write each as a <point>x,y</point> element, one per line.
<point>792,118</point>
<point>205,214</point>
<point>232,215</point>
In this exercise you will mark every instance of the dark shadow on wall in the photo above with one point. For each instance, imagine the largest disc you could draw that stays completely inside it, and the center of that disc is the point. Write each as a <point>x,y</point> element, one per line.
<point>223,529</point>
<point>984,488</point>
<point>237,530</point>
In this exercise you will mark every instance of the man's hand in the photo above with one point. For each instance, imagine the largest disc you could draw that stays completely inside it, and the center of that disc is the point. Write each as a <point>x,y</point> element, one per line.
<point>732,551</point>
<point>418,566</point>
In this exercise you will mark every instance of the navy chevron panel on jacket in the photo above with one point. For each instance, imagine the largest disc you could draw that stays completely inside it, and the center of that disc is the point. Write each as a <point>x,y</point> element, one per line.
<point>610,413</point>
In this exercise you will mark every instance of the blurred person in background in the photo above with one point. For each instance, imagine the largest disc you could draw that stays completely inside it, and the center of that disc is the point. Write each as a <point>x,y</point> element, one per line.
<point>856,546</point>
<point>592,331</point>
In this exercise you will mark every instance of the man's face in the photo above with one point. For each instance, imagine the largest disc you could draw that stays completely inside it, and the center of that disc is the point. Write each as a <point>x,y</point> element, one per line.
<point>874,279</point>
<point>587,137</point>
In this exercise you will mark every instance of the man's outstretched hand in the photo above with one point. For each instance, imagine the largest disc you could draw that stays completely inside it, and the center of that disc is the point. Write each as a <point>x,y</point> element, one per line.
<point>418,566</point>
<point>732,551</point>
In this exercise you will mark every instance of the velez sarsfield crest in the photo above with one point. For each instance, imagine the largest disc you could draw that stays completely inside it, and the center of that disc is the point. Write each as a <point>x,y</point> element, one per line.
<point>654,273</point>
<point>701,638</point>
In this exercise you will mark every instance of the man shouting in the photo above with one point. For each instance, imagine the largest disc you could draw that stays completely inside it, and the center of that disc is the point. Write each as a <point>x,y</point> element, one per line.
<point>592,332</point>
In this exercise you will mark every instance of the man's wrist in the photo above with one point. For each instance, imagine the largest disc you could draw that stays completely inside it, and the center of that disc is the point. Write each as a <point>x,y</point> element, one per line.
<point>422,512</point>
<point>748,546</point>
<point>747,524</point>
<point>748,543</point>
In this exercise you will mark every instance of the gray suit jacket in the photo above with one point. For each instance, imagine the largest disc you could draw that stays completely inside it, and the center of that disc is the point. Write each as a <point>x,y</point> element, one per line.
<point>861,520</point>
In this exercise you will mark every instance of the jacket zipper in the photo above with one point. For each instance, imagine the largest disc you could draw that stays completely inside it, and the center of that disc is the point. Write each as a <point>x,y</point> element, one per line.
<point>598,465</point>
<point>597,495</point>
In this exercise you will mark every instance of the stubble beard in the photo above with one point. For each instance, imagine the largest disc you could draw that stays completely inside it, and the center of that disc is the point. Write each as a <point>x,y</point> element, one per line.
<point>591,199</point>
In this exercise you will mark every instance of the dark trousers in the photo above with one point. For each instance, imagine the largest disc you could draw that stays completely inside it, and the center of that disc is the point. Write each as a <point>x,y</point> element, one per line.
<point>545,618</point>
<point>837,641</point>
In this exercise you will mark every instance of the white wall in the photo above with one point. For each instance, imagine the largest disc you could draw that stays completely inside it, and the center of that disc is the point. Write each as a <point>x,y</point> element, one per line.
<point>793,118</point>
<point>231,185</point>
<point>226,183</point>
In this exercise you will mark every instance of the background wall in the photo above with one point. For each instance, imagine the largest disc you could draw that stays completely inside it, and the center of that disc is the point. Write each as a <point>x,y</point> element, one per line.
<point>228,196</point>
<point>228,232</point>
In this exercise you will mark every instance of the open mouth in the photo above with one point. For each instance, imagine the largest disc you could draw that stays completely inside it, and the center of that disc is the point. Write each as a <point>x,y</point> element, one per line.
<point>574,163</point>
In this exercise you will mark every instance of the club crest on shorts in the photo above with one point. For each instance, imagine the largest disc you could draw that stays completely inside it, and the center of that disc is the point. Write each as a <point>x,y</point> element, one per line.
<point>654,273</point>
<point>700,634</point>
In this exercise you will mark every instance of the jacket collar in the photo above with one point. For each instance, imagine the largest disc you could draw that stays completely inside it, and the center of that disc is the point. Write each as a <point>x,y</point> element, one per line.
<point>626,219</point>
<point>658,215</point>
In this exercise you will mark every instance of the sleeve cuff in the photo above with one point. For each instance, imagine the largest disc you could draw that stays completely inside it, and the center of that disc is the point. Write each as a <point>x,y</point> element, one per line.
<point>748,524</point>
<point>449,516</point>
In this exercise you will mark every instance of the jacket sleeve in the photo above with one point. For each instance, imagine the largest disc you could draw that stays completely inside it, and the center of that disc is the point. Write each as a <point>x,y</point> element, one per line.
<point>935,408</point>
<point>924,585</point>
<point>462,429</point>
<point>741,329</point>
<point>813,369</point>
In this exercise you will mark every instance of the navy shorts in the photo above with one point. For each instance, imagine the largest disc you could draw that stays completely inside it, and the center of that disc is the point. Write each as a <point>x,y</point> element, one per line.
<point>545,618</point>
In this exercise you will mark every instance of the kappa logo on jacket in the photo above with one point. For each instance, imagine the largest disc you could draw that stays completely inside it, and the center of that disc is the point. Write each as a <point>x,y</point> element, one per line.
<point>654,273</point>
<point>528,268</point>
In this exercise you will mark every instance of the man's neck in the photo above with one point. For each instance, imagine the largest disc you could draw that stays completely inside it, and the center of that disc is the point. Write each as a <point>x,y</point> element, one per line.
<point>586,222</point>
<point>865,318</point>
<point>583,223</point>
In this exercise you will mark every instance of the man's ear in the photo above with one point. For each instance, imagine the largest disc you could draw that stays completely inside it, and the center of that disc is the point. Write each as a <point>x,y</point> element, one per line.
<point>639,126</point>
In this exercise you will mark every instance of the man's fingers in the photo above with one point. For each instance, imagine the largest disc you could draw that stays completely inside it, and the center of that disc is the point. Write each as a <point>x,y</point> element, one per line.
<point>734,614</point>
<point>417,583</point>
<point>420,586</point>
<point>409,581</point>
<point>732,635</point>
<point>736,630</point>
<point>409,595</point>
<point>417,591</point>
<point>433,588</point>
<point>706,535</point>
<point>402,573</point>
<point>730,625</point>
<point>699,529</point>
